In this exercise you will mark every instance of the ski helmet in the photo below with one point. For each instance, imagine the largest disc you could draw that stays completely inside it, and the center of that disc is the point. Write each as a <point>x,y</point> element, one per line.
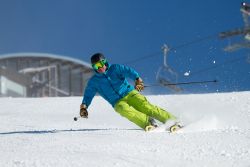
<point>97,57</point>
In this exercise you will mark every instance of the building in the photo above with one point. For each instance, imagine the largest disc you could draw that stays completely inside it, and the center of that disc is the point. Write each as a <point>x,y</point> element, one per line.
<point>40,75</point>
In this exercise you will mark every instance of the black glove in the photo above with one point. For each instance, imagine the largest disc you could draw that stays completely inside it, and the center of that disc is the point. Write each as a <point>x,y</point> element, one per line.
<point>83,111</point>
<point>139,84</point>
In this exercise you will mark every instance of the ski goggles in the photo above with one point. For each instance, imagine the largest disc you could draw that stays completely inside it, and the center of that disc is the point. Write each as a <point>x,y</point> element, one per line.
<point>99,64</point>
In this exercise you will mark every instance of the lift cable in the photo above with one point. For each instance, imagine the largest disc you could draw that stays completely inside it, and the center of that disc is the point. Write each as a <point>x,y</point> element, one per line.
<point>231,61</point>
<point>172,48</point>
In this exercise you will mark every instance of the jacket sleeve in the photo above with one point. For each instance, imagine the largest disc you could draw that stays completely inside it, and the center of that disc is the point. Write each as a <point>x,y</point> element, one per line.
<point>89,93</point>
<point>128,72</point>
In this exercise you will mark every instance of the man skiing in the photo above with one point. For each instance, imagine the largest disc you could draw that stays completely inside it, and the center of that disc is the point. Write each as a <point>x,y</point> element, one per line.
<point>110,81</point>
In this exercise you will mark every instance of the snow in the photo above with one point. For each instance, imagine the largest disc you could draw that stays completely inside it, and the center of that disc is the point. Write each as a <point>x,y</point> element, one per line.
<point>187,73</point>
<point>41,132</point>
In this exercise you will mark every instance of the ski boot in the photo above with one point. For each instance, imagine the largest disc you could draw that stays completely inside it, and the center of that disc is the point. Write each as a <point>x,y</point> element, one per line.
<point>152,125</point>
<point>175,128</point>
<point>149,128</point>
<point>152,122</point>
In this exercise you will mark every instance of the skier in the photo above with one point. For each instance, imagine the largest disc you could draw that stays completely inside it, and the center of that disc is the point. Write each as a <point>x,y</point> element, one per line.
<point>110,81</point>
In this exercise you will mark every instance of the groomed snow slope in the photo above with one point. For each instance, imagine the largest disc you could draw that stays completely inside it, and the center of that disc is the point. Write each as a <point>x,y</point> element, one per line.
<point>40,132</point>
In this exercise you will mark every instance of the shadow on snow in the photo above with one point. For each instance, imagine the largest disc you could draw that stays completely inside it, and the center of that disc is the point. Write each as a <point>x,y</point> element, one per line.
<point>67,130</point>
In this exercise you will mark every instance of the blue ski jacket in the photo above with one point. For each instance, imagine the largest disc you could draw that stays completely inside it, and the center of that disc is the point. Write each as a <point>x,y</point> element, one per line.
<point>111,85</point>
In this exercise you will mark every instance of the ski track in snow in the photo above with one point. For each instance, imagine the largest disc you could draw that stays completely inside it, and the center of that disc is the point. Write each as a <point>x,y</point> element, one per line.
<point>41,132</point>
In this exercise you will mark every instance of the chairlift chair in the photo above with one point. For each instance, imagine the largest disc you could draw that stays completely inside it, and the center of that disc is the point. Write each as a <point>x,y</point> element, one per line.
<point>166,75</point>
<point>245,31</point>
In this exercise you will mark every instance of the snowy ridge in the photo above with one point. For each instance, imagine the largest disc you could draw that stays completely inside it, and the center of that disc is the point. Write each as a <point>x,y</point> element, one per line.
<point>41,132</point>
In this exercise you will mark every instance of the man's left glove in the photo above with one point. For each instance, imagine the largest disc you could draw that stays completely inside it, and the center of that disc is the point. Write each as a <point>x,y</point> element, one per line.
<point>139,84</point>
<point>83,111</point>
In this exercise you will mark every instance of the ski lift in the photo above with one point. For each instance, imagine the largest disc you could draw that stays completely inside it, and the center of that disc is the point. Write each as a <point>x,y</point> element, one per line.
<point>165,75</point>
<point>245,9</point>
<point>245,31</point>
<point>248,59</point>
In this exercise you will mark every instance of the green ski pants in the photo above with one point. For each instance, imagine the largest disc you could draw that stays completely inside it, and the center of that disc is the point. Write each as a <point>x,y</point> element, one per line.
<point>136,108</point>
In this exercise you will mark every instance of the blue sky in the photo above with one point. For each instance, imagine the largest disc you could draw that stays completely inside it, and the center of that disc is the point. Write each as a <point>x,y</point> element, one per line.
<point>132,32</point>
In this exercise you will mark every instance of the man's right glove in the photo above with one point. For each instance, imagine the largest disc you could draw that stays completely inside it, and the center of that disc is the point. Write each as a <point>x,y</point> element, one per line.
<point>83,111</point>
<point>139,84</point>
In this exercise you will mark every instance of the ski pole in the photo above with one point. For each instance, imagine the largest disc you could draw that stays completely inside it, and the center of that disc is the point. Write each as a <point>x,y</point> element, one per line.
<point>184,83</point>
<point>76,118</point>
